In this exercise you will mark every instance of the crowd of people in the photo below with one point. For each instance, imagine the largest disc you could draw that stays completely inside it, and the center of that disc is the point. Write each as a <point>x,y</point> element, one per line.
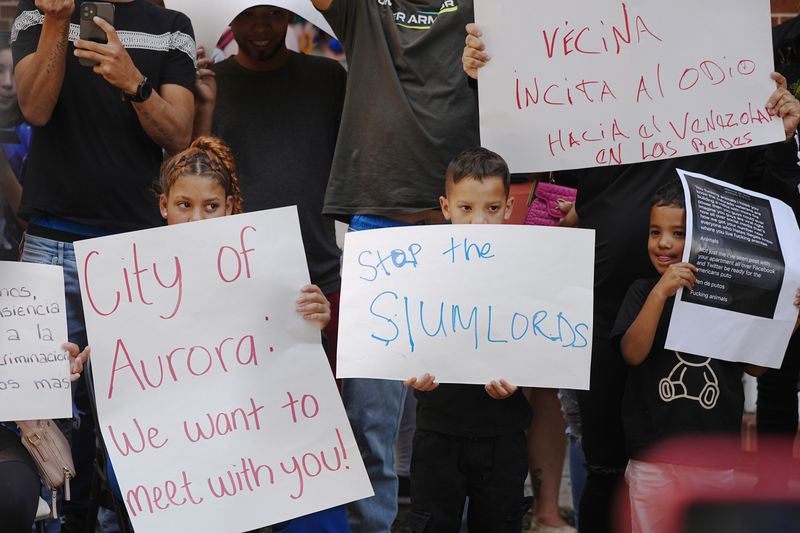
<point>155,131</point>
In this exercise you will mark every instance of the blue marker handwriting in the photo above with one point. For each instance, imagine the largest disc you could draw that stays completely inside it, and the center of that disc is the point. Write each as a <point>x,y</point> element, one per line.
<point>407,319</point>
<point>384,262</point>
<point>470,250</point>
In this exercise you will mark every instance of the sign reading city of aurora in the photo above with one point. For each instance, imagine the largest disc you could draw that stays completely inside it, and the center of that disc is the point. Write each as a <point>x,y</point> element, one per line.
<point>215,399</point>
<point>744,245</point>
<point>34,368</point>
<point>603,82</point>
<point>468,304</point>
<point>209,19</point>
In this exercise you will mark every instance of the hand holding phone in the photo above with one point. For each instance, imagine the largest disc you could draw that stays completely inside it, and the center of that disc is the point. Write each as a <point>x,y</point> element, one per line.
<point>91,31</point>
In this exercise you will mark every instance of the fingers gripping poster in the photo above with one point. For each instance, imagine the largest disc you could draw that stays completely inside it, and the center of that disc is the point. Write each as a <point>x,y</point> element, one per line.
<point>215,399</point>
<point>744,246</point>
<point>468,304</point>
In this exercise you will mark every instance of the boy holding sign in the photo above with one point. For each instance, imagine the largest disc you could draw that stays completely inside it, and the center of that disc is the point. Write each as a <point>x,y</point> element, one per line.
<point>669,393</point>
<point>470,440</point>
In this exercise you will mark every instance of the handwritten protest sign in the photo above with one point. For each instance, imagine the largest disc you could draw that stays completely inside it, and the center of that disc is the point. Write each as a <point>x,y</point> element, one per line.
<point>604,82</point>
<point>215,399</point>
<point>34,369</point>
<point>744,245</point>
<point>209,19</point>
<point>468,304</point>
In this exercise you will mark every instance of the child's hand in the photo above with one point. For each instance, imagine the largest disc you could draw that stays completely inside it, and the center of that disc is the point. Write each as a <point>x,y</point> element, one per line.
<point>500,390</point>
<point>676,276</point>
<point>76,360</point>
<point>424,383</point>
<point>313,305</point>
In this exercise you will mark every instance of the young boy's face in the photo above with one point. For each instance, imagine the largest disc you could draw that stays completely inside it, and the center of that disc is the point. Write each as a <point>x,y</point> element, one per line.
<point>471,201</point>
<point>667,236</point>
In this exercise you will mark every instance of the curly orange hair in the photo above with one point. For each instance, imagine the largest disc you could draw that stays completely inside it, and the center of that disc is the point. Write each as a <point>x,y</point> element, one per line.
<point>206,156</point>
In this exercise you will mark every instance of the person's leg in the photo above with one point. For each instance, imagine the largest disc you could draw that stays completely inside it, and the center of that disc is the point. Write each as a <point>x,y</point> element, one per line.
<point>547,445</point>
<point>438,483</point>
<point>405,439</point>
<point>331,332</point>
<point>374,407</point>
<point>19,496</point>
<point>647,485</point>
<point>577,468</point>
<point>602,436</point>
<point>332,520</point>
<point>497,469</point>
<point>776,416</point>
<point>577,474</point>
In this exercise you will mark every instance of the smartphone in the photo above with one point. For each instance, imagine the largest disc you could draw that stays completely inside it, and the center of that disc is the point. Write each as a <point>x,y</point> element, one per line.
<point>91,31</point>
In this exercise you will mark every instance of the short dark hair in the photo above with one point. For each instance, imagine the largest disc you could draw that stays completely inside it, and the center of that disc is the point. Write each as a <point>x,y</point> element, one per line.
<point>478,163</point>
<point>669,195</point>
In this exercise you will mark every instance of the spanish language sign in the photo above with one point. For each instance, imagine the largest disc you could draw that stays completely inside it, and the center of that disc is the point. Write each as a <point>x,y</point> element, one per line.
<point>468,304</point>
<point>215,400</point>
<point>745,247</point>
<point>606,82</point>
<point>210,19</point>
<point>34,368</point>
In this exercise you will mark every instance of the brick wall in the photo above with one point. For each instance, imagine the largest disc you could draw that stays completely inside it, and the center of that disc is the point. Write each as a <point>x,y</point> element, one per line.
<point>7,10</point>
<point>781,10</point>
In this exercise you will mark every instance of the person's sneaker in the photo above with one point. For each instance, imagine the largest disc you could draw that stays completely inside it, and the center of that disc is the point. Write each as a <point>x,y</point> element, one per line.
<point>538,527</point>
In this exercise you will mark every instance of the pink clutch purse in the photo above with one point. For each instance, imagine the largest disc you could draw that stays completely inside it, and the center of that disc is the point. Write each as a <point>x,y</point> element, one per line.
<point>543,203</point>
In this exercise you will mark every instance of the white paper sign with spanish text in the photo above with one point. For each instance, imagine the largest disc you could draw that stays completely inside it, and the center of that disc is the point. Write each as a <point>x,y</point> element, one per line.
<point>468,304</point>
<point>606,82</point>
<point>216,402</point>
<point>745,247</point>
<point>34,368</point>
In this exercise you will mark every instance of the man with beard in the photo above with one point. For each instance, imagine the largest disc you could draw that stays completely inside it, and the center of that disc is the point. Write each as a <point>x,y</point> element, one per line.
<point>279,112</point>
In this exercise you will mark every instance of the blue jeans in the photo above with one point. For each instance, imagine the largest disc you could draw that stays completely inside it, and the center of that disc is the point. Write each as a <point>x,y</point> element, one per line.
<point>49,252</point>
<point>374,408</point>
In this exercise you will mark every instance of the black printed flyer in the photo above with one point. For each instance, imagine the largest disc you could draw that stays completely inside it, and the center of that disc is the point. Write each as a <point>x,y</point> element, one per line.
<point>746,247</point>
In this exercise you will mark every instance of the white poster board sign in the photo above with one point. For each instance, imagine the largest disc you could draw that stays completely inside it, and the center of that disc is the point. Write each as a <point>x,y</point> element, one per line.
<point>745,246</point>
<point>603,82</point>
<point>210,18</point>
<point>215,399</point>
<point>468,304</point>
<point>34,368</point>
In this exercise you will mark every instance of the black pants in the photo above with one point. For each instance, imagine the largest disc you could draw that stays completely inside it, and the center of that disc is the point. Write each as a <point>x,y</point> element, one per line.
<point>602,437</point>
<point>445,470</point>
<point>776,417</point>
<point>19,485</point>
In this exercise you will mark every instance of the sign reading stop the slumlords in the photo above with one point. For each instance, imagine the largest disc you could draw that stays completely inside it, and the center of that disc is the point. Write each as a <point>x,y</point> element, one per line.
<point>215,399</point>
<point>603,82</point>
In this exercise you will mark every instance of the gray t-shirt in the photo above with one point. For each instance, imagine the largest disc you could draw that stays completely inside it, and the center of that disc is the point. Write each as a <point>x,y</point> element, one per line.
<point>409,107</point>
<point>282,127</point>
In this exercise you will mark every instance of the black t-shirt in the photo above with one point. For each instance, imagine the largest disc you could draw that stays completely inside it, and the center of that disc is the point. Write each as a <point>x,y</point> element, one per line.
<point>92,162</point>
<point>672,393</point>
<point>282,127</point>
<point>468,411</point>
<point>409,108</point>
<point>615,202</point>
